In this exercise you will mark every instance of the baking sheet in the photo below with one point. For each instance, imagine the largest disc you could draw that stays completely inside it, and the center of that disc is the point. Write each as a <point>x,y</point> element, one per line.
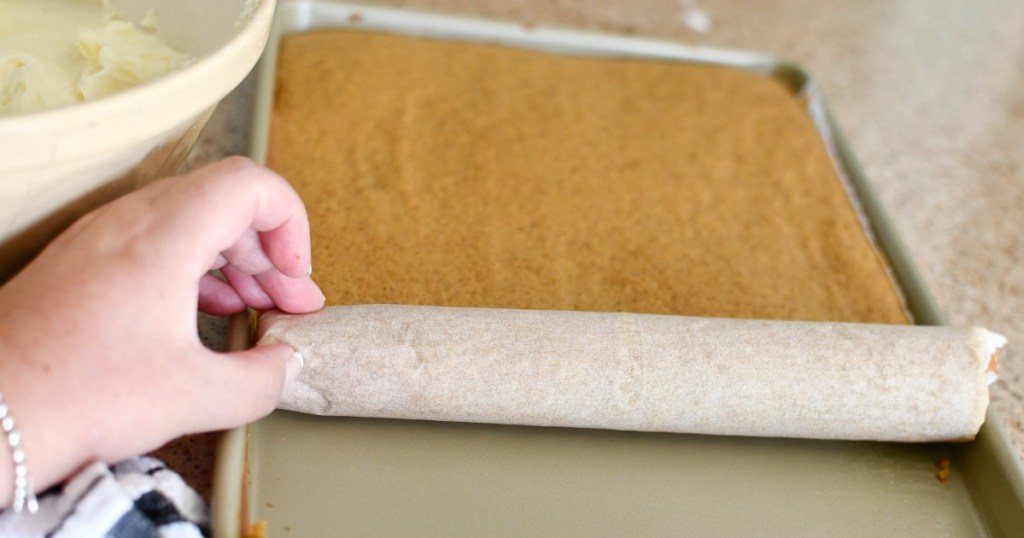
<point>314,476</point>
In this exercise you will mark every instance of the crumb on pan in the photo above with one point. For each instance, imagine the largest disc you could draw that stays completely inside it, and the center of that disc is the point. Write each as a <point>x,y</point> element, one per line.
<point>258,529</point>
<point>943,469</point>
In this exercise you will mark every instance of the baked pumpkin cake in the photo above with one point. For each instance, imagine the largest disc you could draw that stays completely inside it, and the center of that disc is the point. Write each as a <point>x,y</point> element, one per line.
<point>465,174</point>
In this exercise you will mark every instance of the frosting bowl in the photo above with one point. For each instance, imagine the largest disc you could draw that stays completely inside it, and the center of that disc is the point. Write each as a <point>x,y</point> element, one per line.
<point>58,164</point>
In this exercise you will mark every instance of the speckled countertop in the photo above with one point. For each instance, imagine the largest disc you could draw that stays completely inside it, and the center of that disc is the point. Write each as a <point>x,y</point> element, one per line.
<point>930,96</point>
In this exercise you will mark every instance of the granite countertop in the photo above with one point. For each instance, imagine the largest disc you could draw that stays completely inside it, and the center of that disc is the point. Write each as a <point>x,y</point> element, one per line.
<point>928,95</point>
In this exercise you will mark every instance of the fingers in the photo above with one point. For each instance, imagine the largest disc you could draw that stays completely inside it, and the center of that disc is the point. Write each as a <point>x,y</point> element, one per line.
<point>271,289</point>
<point>248,288</point>
<point>243,386</point>
<point>222,202</point>
<point>292,295</point>
<point>247,254</point>
<point>245,220</point>
<point>218,298</point>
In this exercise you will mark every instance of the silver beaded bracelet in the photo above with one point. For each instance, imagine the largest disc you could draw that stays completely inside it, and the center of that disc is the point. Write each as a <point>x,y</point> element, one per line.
<point>24,494</point>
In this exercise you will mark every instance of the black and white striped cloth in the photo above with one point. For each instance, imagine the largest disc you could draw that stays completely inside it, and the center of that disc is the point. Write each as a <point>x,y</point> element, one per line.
<point>138,498</point>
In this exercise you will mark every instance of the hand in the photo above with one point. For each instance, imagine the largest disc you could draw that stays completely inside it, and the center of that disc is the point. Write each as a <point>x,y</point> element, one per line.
<point>99,353</point>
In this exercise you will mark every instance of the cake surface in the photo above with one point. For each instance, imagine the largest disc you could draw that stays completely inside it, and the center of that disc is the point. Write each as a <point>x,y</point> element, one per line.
<point>457,174</point>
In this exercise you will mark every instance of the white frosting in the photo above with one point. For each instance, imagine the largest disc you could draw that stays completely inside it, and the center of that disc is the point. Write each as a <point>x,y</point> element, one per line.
<point>29,83</point>
<point>59,52</point>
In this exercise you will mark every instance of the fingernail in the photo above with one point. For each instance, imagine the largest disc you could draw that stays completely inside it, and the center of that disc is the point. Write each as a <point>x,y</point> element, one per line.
<point>309,272</point>
<point>293,367</point>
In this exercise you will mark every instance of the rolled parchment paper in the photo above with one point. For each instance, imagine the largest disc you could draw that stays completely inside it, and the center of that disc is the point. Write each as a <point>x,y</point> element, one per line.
<point>639,372</point>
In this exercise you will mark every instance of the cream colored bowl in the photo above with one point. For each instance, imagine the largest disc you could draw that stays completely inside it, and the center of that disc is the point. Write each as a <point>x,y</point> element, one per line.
<point>56,165</point>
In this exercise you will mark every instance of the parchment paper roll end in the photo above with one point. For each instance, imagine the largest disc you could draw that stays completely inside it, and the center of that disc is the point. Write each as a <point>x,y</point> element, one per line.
<point>989,343</point>
<point>985,345</point>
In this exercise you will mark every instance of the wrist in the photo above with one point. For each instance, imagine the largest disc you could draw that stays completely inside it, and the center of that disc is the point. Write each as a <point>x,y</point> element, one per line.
<point>23,496</point>
<point>36,414</point>
<point>15,477</point>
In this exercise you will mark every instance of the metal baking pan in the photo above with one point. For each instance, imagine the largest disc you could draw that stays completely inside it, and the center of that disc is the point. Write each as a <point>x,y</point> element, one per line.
<point>315,476</point>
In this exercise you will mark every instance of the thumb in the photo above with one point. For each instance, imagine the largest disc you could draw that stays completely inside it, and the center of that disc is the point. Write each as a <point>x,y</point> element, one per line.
<point>247,385</point>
